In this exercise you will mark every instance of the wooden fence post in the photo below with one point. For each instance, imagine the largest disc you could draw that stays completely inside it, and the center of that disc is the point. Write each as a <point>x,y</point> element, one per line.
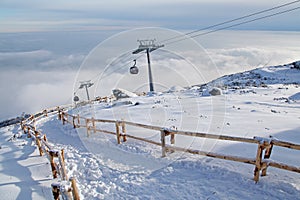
<point>52,163</point>
<point>124,131</point>
<point>268,151</point>
<point>59,113</point>
<point>33,119</point>
<point>63,117</point>
<point>38,142</point>
<point>73,121</point>
<point>55,190</point>
<point>163,143</point>
<point>62,154</point>
<point>64,175</point>
<point>28,132</point>
<point>264,167</point>
<point>45,113</point>
<point>45,138</point>
<point>93,124</point>
<point>87,127</point>
<point>258,162</point>
<point>24,129</point>
<point>267,155</point>
<point>172,139</point>
<point>58,189</point>
<point>22,126</point>
<point>75,192</point>
<point>118,132</point>
<point>33,123</point>
<point>78,120</point>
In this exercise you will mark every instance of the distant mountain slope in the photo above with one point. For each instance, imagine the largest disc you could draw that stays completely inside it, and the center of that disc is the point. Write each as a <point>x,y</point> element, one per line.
<point>260,77</point>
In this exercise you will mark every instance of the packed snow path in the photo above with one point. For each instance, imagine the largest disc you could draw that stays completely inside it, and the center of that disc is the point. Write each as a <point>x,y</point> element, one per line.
<point>23,173</point>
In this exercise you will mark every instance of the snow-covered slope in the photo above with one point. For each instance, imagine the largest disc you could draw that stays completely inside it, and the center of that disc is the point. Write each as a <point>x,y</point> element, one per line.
<point>261,77</point>
<point>261,102</point>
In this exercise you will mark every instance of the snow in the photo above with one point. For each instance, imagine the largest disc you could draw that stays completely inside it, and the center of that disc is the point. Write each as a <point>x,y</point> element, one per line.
<point>24,175</point>
<point>295,97</point>
<point>135,170</point>
<point>121,93</point>
<point>176,88</point>
<point>282,74</point>
<point>264,140</point>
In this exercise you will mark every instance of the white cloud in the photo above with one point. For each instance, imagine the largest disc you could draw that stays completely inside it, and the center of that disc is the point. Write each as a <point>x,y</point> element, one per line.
<point>36,79</point>
<point>241,59</point>
<point>31,91</point>
<point>39,59</point>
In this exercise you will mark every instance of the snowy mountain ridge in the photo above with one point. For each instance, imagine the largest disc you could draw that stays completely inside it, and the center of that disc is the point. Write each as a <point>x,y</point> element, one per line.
<point>260,77</point>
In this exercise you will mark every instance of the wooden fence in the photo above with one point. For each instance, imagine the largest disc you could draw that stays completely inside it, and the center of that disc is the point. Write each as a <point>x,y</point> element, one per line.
<point>261,161</point>
<point>66,187</point>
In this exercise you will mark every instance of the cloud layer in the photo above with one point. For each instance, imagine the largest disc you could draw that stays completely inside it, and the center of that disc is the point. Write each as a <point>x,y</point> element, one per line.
<point>36,75</point>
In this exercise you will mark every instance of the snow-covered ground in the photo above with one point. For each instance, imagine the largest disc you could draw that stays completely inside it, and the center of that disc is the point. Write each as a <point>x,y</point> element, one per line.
<point>261,103</point>
<point>23,173</point>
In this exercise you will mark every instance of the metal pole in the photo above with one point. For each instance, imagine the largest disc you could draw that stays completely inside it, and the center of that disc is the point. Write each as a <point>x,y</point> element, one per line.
<point>87,92</point>
<point>150,72</point>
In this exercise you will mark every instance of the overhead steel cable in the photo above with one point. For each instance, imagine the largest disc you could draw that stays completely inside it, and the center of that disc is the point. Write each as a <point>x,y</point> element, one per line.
<point>233,20</point>
<point>215,30</point>
<point>234,25</point>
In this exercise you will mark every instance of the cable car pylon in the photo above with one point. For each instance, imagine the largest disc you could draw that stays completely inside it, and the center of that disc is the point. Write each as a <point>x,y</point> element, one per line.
<point>148,46</point>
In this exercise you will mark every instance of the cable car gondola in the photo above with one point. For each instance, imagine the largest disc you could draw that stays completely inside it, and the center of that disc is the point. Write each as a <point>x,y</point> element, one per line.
<point>134,69</point>
<point>76,98</point>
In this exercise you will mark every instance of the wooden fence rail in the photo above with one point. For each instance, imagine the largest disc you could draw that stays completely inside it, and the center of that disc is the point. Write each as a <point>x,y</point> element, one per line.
<point>261,160</point>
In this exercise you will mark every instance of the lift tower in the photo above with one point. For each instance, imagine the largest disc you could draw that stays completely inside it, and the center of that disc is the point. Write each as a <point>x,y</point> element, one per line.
<point>86,85</point>
<point>148,46</point>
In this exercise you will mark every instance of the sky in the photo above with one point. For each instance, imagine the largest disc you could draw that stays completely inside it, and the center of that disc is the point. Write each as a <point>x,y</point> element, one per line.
<point>47,47</point>
<point>70,15</point>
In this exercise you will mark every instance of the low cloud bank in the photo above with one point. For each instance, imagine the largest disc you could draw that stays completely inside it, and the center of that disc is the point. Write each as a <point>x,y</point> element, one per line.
<point>41,75</point>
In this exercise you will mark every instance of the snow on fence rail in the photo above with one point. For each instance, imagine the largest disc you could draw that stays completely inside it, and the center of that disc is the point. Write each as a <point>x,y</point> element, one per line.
<point>66,187</point>
<point>261,161</point>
